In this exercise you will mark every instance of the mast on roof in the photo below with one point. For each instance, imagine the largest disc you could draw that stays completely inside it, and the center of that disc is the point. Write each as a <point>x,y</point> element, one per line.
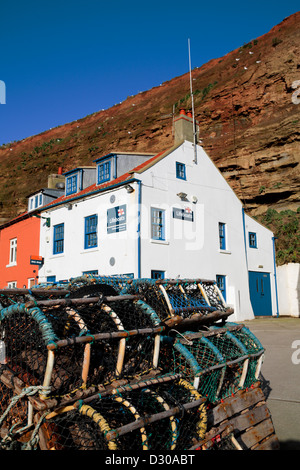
<point>193,110</point>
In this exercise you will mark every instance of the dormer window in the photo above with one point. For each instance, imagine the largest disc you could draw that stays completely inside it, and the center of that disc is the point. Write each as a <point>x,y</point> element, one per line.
<point>35,201</point>
<point>104,172</point>
<point>71,184</point>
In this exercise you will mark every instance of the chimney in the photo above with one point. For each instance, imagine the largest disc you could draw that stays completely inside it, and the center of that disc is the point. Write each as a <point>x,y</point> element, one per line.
<point>183,127</point>
<point>58,179</point>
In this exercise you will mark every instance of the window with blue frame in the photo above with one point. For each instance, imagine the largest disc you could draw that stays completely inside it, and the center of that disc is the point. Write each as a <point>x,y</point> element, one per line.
<point>222,235</point>
<point>51,279</point>
<point>180,171</point>
<point>71,184</point>
<point>103,172</point>
<point>90,231</point>
<point>58,239</point>
<point>157,224</point>
<point>157,274</point>
<point>252,240</point>
<point>221,283</point>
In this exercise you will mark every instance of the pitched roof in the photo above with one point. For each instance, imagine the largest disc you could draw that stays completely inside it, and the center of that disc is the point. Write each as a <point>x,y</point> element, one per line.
<point>95,188</point>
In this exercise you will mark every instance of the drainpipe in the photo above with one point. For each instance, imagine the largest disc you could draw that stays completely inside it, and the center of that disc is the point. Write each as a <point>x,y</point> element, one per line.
<point>245,238</point>
<point>139,226</point>
<point>275,275</point>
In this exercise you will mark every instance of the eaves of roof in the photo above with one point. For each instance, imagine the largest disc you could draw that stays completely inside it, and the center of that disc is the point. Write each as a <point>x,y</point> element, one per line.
<point>125,178</point>
<point>89,191</point>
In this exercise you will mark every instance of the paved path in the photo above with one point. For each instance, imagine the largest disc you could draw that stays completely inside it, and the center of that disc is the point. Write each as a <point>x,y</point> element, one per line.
<point>281,373</point>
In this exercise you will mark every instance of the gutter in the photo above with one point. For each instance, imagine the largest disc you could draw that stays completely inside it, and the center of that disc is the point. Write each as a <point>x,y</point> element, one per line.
<point>275,276</point>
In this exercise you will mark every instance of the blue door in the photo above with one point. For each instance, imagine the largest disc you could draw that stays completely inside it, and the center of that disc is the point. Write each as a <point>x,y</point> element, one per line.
<point>260,293</point>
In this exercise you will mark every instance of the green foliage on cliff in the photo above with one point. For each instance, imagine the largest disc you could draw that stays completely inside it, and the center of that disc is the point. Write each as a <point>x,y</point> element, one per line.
<point>285,226</point>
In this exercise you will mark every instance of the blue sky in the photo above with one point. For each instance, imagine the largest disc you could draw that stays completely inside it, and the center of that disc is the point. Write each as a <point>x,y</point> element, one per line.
<point>62,60</point>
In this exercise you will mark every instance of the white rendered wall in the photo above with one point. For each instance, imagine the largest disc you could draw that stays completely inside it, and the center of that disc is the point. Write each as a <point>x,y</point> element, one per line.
<point>75,258</point>
<point>193,247</point>
<point>288,277</point>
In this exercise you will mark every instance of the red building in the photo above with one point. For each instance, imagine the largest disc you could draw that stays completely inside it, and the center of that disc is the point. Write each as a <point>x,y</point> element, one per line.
<point>19,251</point>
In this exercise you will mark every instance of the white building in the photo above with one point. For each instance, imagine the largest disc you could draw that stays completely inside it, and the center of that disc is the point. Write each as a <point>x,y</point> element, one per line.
<point>167,215</point>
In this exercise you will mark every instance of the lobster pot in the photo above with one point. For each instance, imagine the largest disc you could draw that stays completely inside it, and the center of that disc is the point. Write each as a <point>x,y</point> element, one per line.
<point>172,297</point>
<point>27,334</point>
<point>199,362</point>
<point>191,422</point>
<point>254,349</point>
<point>109,285</point>
<point>213,294</point>
<point>16,418</point>
<point>236,357</point>
<point>141,350</point>
<point>11,299</point>
<point>151,418</point>
<point>24,334</point>
<point>167,297</point>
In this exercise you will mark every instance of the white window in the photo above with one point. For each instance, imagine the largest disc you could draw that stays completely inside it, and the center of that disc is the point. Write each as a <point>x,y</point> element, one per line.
<point>12,285</point>
<point>13,251</point>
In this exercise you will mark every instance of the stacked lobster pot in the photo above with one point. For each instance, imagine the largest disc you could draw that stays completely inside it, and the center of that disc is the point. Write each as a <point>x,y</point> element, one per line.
<point>114,363</point>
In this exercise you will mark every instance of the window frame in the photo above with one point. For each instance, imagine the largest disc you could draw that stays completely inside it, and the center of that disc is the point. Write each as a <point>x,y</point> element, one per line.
<point>157,274</point>
<point>180,171</point>
<point>158,226</point>
<point>106,166</point>
<point>90,230</point>
<point>12,284</point>
<point>71,184</point>
<point>13,245</point>
<point>251,244</point>
<point>58,240</point>
<point>221,283</point>
<point>222,236</point>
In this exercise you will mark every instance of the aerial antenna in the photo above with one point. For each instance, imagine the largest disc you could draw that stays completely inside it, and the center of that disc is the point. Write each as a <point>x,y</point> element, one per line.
<point>193,111</point>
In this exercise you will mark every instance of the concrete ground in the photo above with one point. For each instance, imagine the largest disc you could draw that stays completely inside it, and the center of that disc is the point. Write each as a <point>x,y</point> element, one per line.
<point>281,374</point>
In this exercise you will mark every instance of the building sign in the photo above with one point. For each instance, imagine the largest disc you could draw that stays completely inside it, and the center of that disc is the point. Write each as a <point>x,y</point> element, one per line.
<point>38,260</point>
<point>116,219</point>
<point>183,214</point>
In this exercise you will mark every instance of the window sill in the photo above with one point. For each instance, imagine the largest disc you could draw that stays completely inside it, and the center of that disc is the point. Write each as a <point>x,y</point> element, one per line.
<point>10,265</point>
<point>225,252</point>
<point>159,242</point>
<point>90,250</point>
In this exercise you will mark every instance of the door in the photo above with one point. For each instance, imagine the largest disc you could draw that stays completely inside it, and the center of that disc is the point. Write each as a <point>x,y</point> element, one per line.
<point>260,293</point>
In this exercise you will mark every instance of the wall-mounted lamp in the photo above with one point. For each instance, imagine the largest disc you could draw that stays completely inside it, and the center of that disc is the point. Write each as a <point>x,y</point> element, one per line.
<point>48,221</point>
<point>182,196</point>
<point>129,188</point>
